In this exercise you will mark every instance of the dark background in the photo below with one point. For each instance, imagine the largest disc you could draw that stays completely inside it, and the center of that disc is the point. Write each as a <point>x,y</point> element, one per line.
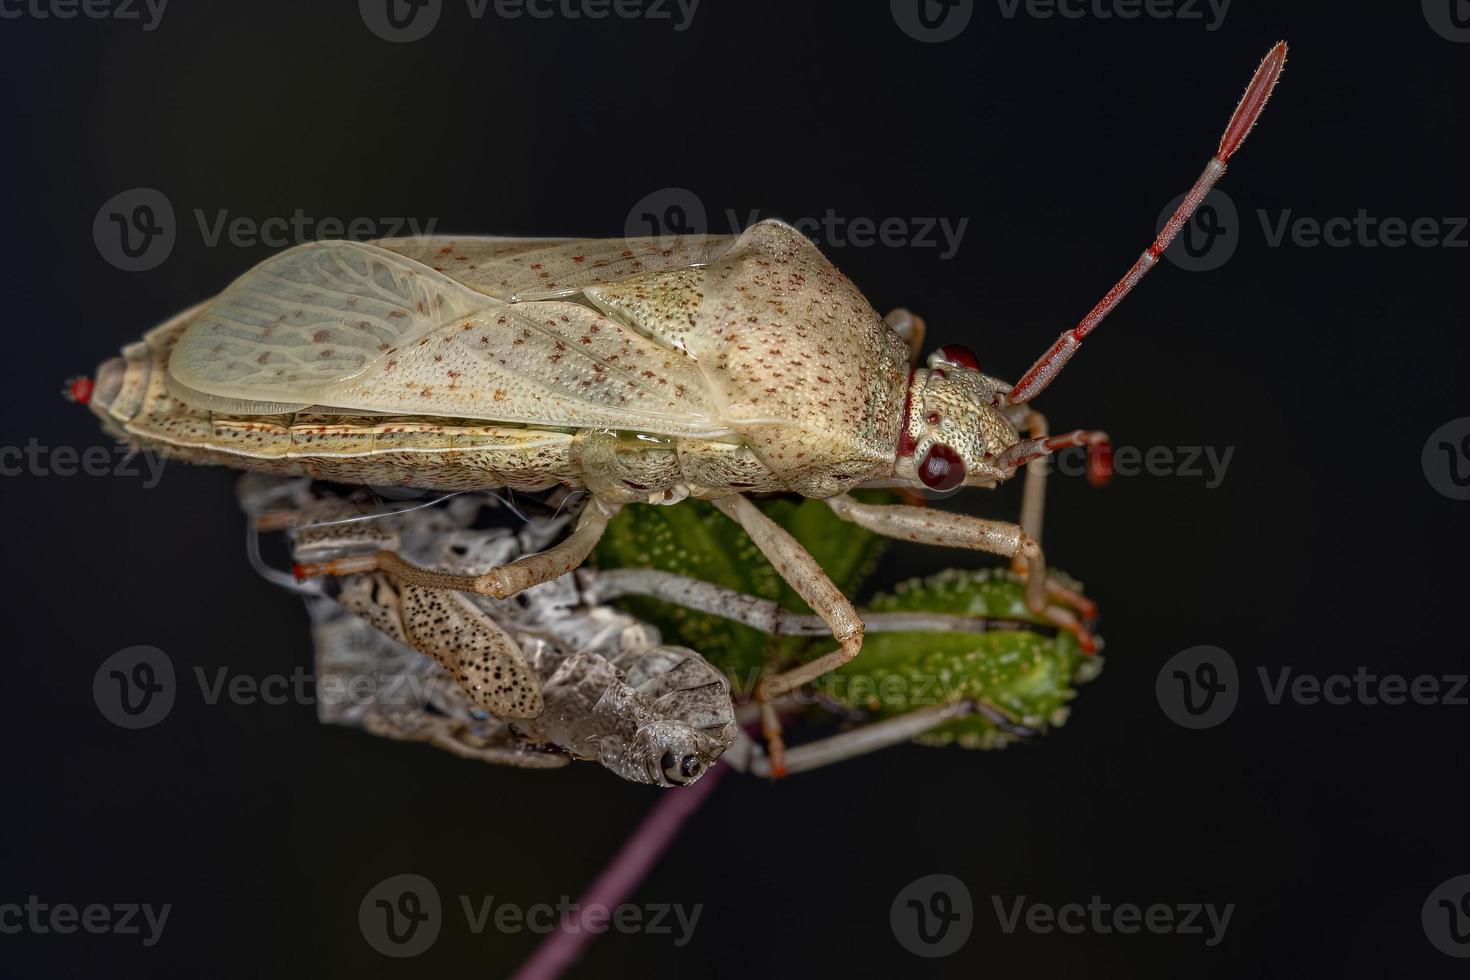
<point>1325,548</point>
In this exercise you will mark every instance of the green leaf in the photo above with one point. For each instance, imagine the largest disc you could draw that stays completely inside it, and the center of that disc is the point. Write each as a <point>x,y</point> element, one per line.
<point>1028,675</point>
<point>693,538</point>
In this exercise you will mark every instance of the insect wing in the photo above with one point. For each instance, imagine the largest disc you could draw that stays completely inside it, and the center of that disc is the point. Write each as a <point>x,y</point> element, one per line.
<point>521,269</point>
<point>304,321</point>
<point>352,327</point>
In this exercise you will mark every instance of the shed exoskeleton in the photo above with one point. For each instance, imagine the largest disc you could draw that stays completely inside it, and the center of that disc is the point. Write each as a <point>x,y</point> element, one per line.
<point>593,683</point>
<point>640,370</point>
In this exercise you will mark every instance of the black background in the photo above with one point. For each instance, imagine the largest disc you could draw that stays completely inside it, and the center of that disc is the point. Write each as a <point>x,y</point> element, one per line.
<point>1325,548</point>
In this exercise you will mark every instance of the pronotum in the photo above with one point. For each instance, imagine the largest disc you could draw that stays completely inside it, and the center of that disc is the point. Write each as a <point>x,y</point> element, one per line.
<point>637,369</point>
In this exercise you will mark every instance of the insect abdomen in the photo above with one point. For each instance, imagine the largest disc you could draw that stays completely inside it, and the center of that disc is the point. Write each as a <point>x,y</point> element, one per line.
<point>134,404</point>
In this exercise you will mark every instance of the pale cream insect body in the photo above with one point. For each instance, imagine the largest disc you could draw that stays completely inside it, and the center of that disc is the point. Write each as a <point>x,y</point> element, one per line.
<point>638,369</point>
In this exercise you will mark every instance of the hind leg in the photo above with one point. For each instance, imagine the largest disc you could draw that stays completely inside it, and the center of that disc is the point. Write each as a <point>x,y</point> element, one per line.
<point>498,583</point>
<point>478,654</point>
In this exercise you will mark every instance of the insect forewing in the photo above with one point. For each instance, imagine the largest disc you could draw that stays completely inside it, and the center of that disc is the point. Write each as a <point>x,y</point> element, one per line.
<point>353,327</point>
<point>304,321</point>
<point>520,269</point>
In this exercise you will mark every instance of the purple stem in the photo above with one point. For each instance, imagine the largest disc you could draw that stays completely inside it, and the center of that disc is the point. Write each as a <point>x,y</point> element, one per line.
<point>633,862</point>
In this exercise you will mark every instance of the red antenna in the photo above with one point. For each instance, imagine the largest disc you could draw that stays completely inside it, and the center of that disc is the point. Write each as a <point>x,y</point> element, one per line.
<point>1051,363</point>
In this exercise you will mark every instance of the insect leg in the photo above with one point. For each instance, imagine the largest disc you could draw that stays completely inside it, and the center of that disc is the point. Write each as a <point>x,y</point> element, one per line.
<point>1033,504</point>
<point>925,525</point>
<point>767,615</point>
<point>801,571</point>
<point>501,582</point>
<point>910,329</point>
<point>859,741</point>
<point>445,734</point>
<point>478,654</point>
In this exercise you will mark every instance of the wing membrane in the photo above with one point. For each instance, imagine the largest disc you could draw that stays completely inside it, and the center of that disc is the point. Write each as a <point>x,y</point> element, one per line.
<point>547,363</point>
<point>353,327</point>
<point>312,317</point>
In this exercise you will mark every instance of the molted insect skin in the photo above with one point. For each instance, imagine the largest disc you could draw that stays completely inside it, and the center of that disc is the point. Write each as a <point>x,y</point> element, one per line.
<point>594,711</point>
<point>576,680</point>
<point>729,363</point>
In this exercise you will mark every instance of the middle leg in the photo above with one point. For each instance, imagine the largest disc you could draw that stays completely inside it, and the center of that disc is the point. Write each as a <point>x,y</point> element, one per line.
<point>925,525</point>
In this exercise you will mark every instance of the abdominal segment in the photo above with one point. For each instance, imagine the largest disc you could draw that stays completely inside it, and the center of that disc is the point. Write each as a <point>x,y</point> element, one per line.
<point>134,403</point>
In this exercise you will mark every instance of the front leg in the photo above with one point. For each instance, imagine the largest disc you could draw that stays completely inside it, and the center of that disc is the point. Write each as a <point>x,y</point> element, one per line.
<point>802,573</point>
<point>1033,506</point>
<point>926,525</point>
<point>746,756</point>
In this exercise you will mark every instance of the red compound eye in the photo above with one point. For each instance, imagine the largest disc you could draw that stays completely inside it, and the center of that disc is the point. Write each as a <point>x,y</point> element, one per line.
<point>955,354</point>
<point>941,468</point>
